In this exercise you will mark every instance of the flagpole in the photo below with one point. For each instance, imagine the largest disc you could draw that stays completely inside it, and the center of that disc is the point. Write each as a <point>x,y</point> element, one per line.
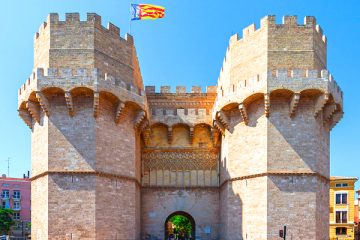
<point>130,20</point>
<point>130,27</point>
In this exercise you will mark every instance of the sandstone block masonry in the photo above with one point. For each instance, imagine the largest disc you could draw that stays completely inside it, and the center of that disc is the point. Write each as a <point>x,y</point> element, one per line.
<point>113,160</point>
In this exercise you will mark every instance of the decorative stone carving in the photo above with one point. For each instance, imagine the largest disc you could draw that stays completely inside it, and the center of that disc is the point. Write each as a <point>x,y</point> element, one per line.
<point>180,160</point>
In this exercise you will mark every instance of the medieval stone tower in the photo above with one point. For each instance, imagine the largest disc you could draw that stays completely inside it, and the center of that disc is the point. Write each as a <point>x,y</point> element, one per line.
<point>112,161</point>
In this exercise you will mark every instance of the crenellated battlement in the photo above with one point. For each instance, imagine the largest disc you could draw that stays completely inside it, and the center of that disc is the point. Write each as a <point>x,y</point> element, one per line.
<point>68,79</point>
<point>288,22</point>
<point>295,80</point>
<point>73,43</point>
<point>179,90</point>
<point>181,107</point>
<point>289,45</point>
<point>73,20</point>
<point>190,116</point>
<point>298,80</point>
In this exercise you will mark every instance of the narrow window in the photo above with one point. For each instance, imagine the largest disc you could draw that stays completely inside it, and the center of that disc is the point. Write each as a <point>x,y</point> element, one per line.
<point>344,198</point>
<point>16,194</point>
<point>341,198</point>
<point>341,216</point>
<point>5,193</point>
<point>16,205</point>
<point>338,198</point>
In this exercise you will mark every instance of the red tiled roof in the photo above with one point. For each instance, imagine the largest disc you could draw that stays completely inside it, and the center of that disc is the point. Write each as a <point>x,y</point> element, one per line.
<point>14,179</point>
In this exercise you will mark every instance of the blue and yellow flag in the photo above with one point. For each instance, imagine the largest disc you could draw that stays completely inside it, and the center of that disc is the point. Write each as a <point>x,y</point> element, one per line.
<point>146,11</point>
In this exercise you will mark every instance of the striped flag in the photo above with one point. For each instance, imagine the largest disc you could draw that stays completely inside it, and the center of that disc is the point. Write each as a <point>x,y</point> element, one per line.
<point>146,11</point>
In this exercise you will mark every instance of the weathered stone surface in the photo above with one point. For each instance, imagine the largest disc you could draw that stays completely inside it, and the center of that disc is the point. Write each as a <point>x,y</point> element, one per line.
<point>159,203</point>
<point>244,158</point>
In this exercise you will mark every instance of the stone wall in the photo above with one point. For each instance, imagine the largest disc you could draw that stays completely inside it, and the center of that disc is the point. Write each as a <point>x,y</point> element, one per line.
<point>294,45</point>
<point>303,139</point>
<point>243,158</point>
<point>201,203</point>
<point>40,208</point>
<point>117,209</point>
<point>243,206</point>
<point>71,197</point>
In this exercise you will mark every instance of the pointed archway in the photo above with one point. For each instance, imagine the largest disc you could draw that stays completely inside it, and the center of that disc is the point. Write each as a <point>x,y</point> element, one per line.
<point>169,225</point>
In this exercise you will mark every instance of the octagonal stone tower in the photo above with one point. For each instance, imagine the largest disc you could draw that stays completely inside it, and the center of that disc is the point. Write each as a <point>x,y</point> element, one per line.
<point>85,105</point>
<point>276,104</point>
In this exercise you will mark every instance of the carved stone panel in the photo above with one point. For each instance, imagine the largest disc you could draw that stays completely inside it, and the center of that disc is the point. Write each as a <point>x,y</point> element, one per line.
<point>187,168</point>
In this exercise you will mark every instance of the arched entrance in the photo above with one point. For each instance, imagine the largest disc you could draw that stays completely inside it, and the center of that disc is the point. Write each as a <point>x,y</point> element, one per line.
<point>180,224</point>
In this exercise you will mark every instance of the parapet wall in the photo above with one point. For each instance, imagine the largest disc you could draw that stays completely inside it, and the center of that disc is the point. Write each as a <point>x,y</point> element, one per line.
<point>190,108</point>
<point>68,79</point>
<point>287,22</point>
<point>294,80</point>
<point>86,44</point>
<point>179,89</point>
<point>190,117</point>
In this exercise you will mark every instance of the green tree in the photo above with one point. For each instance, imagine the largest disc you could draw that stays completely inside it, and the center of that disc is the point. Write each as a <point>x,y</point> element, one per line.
<point>182,224</point>
<point>6,220</point>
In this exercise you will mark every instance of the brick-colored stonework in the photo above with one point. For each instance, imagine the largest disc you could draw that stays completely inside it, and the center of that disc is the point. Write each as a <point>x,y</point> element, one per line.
<point>112,160</point>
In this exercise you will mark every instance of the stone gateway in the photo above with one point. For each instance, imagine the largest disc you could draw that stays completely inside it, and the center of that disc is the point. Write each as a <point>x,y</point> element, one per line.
<point>114,160</point>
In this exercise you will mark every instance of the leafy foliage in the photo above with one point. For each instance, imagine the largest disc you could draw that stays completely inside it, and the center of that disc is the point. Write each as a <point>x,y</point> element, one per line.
<point>6,220</point>
<point>182,224</point>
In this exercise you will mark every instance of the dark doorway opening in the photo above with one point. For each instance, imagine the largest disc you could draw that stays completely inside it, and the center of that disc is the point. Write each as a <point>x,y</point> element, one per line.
<point>180,226</point>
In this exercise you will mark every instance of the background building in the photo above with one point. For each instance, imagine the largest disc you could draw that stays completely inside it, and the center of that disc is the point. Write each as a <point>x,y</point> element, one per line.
<point>342,210</point>
<point>16,195</point>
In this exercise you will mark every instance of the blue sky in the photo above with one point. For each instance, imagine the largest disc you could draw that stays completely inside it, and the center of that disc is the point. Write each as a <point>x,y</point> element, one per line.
<point>185,48</point>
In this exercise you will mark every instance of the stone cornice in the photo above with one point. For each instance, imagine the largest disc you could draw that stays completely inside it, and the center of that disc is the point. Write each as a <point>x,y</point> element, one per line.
<point>274,173</point>
<point>97,173</point>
